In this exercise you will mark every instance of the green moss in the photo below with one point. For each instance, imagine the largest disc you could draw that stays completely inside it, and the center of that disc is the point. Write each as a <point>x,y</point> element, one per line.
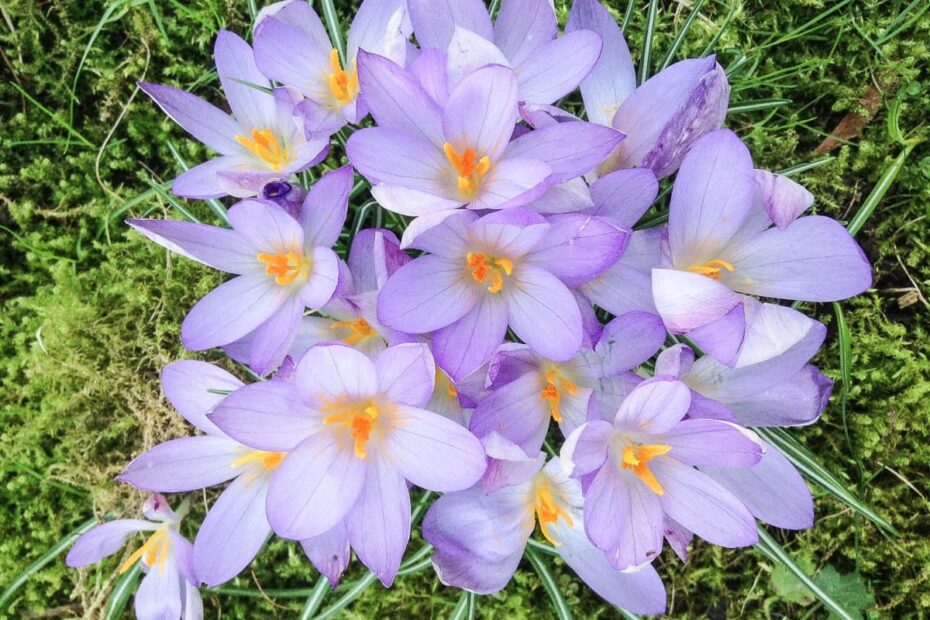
<point>90,313</point>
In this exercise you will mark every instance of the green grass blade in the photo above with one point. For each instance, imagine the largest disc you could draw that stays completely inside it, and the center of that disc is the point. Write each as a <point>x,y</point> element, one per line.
<point>721,29</point>
<point>121,593</point>
<point>43,561</point>
<point>645,68</point>
<point>174,202</point>
<point>249,593</point>
<point>773,551</point>
<point>878,192</point>
<point>316,598</point>
<point>755,106</point>
<point>460,611</point>
<point>562,611</point>
<point>809,165</point>
<point>335,29</point>
<point>493,8</point>
<point>680,36</point>
<point>57,119</point>
<point>214,204</point>
<point>627,15</point>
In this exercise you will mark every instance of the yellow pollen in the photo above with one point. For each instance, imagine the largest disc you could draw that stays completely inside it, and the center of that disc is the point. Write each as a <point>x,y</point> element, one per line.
<point>286,268</point>
<point>712,268</point>
<point>359,331</point>
<point>154,552</point>
<point>268,460</point>
<point>637,459</point>
<point>551,392</point>
<point>482,268</point>
<point>468,166</point>
<point>548,510</point>
<point>358,419</point>
<point>342,84</point>
<point>267,147</point>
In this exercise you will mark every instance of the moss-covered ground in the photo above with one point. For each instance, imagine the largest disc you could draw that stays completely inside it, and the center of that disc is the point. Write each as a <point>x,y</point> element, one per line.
<point>89,313</point>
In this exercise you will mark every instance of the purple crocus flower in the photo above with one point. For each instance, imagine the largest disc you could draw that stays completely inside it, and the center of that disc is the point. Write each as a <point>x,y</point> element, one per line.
<point>282,264</point>
<point>426,160</point>
<point>354,428</point>
<point>168,591</point>
<point>480,536</point>
<point>523,37</point>
<point>662,117</point>
<point>261,141</point>
<point>722,245</point>
<point>527,390</point>
<point>483,274</point>
<point>642,470</point>
<point>293,48</point>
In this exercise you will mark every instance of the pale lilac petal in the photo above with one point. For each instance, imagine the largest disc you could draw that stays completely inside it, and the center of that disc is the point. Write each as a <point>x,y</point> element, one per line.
<point>374,256</point>
<point>396,157</point>
<point>330,373</point>
<point>688,300</point>
<point>569,197</point>
<point>241,179</point>
<point>425,295</point>
<point>515,411</point>
<point>468,343</point>
<point>429,68</point>
<point>205,181</point>
<point>522,26</point>
<point>300,15</point>
<point>625,195</point>
<point>272,340</point>
<point>379,522</point>
<point>544,314</point>
<point>585,449</point>
<point>512,183</point>
<point>187,385</point>
<point>703,506</point>
<point>468,52</point>
<point>797,401</point>
<point>286,54</point>
<point>655,405</point>
<point>711,199</point>
<point>266,226</point>
<point>613,78</point>
<point>266,416</point>
<point>713,443</point>
<point>510,232</point>
<point>323,279</point>
<point>813,259</point>
<point>773,491</point>
<point>314,488</point>
<point>434,21</point>
<point>235,64</point>
<point>213,246</point>
<point>232,533</point>
<point>481,111</point>
<point>382,27</point>
<point>678,537</point>
<point>783,199</point>
<point>406,374</point>
<point>103,540</point>
<point>578,248</point>
<point>474,573</point>
<point>323,212</point>
<point>675,361</point>
<point>185,464</point>
<point>722,338</point>
<point>413,202</point>
<point>627,286</point>
<point>629,340</point>
<point>329,552</point>
<point>571,149</point>
<point>556,68</point>
<point>450,238</point>
<point>159,594</point>
<point>202,120</point>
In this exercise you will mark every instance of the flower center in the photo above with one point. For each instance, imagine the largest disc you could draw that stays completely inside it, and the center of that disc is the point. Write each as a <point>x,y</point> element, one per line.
<point>637,459</point>
<point>268,460</point>
<point>267,147</point>
<point>443,382</point>
<point>154,552</point>
<point>548,510</point>
<point>356,331</point>
<point>468,166</point>
<point>556,385</point>
<point>712,268</point>
<point>342,84</point>
<point>357,420</point>
<point>286,268</point>
<point>483,268</point>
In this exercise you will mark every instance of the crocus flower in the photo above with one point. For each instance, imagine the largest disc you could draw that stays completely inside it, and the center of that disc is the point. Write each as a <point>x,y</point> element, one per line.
<point>427,160</point>
<point>662,117</point>
<point>480,537</point>
<point>523,37</point>
<point>506,268</point>
<point>643,471</point>
<point>261,141</point>
<point>527,390</point>
<point>722,245</point>
<point>282,264</point>
<point>168,591</point>
<point>353,427</point>
<point>293,48</point>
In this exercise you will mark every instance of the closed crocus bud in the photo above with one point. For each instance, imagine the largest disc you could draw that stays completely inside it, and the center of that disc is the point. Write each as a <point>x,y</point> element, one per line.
<point>284,194</point>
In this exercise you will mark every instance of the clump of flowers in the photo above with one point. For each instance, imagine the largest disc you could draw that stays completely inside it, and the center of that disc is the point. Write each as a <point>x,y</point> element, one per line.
<point>537,363</point>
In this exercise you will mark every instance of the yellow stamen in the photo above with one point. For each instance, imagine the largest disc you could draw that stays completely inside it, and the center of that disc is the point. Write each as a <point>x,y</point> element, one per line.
<point>358,420</point>
<point>483,268</point>
<point>342,84</point>
<point>268,460</point>
<point>359,331</point>
<point>551,392</point>
<point>286,268</point>
<point>468,166</point>
<point>637,459</point>
<point>154,552</point>
<point>711,268</point>
<point>548,510</point>
<point>444,382</point>
<point>267,147</point>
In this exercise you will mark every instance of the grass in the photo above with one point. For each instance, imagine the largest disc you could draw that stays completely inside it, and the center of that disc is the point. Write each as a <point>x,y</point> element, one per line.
<point>90,313</point>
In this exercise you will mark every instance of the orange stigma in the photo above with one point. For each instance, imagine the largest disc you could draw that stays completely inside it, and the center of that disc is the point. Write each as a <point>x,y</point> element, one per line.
<point>483,268</point>
<point>469,168</point>
<point>358,420</point>
<point>712,268</point>
<point>269,461</point>
<point>286,268</point>
<point>637,459</point>
<point>154,552</point>
<point>357,331</point>
<point>267,147</point>
<point>548,510</point>
<point>342,84</point>
<point>551,392</point>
